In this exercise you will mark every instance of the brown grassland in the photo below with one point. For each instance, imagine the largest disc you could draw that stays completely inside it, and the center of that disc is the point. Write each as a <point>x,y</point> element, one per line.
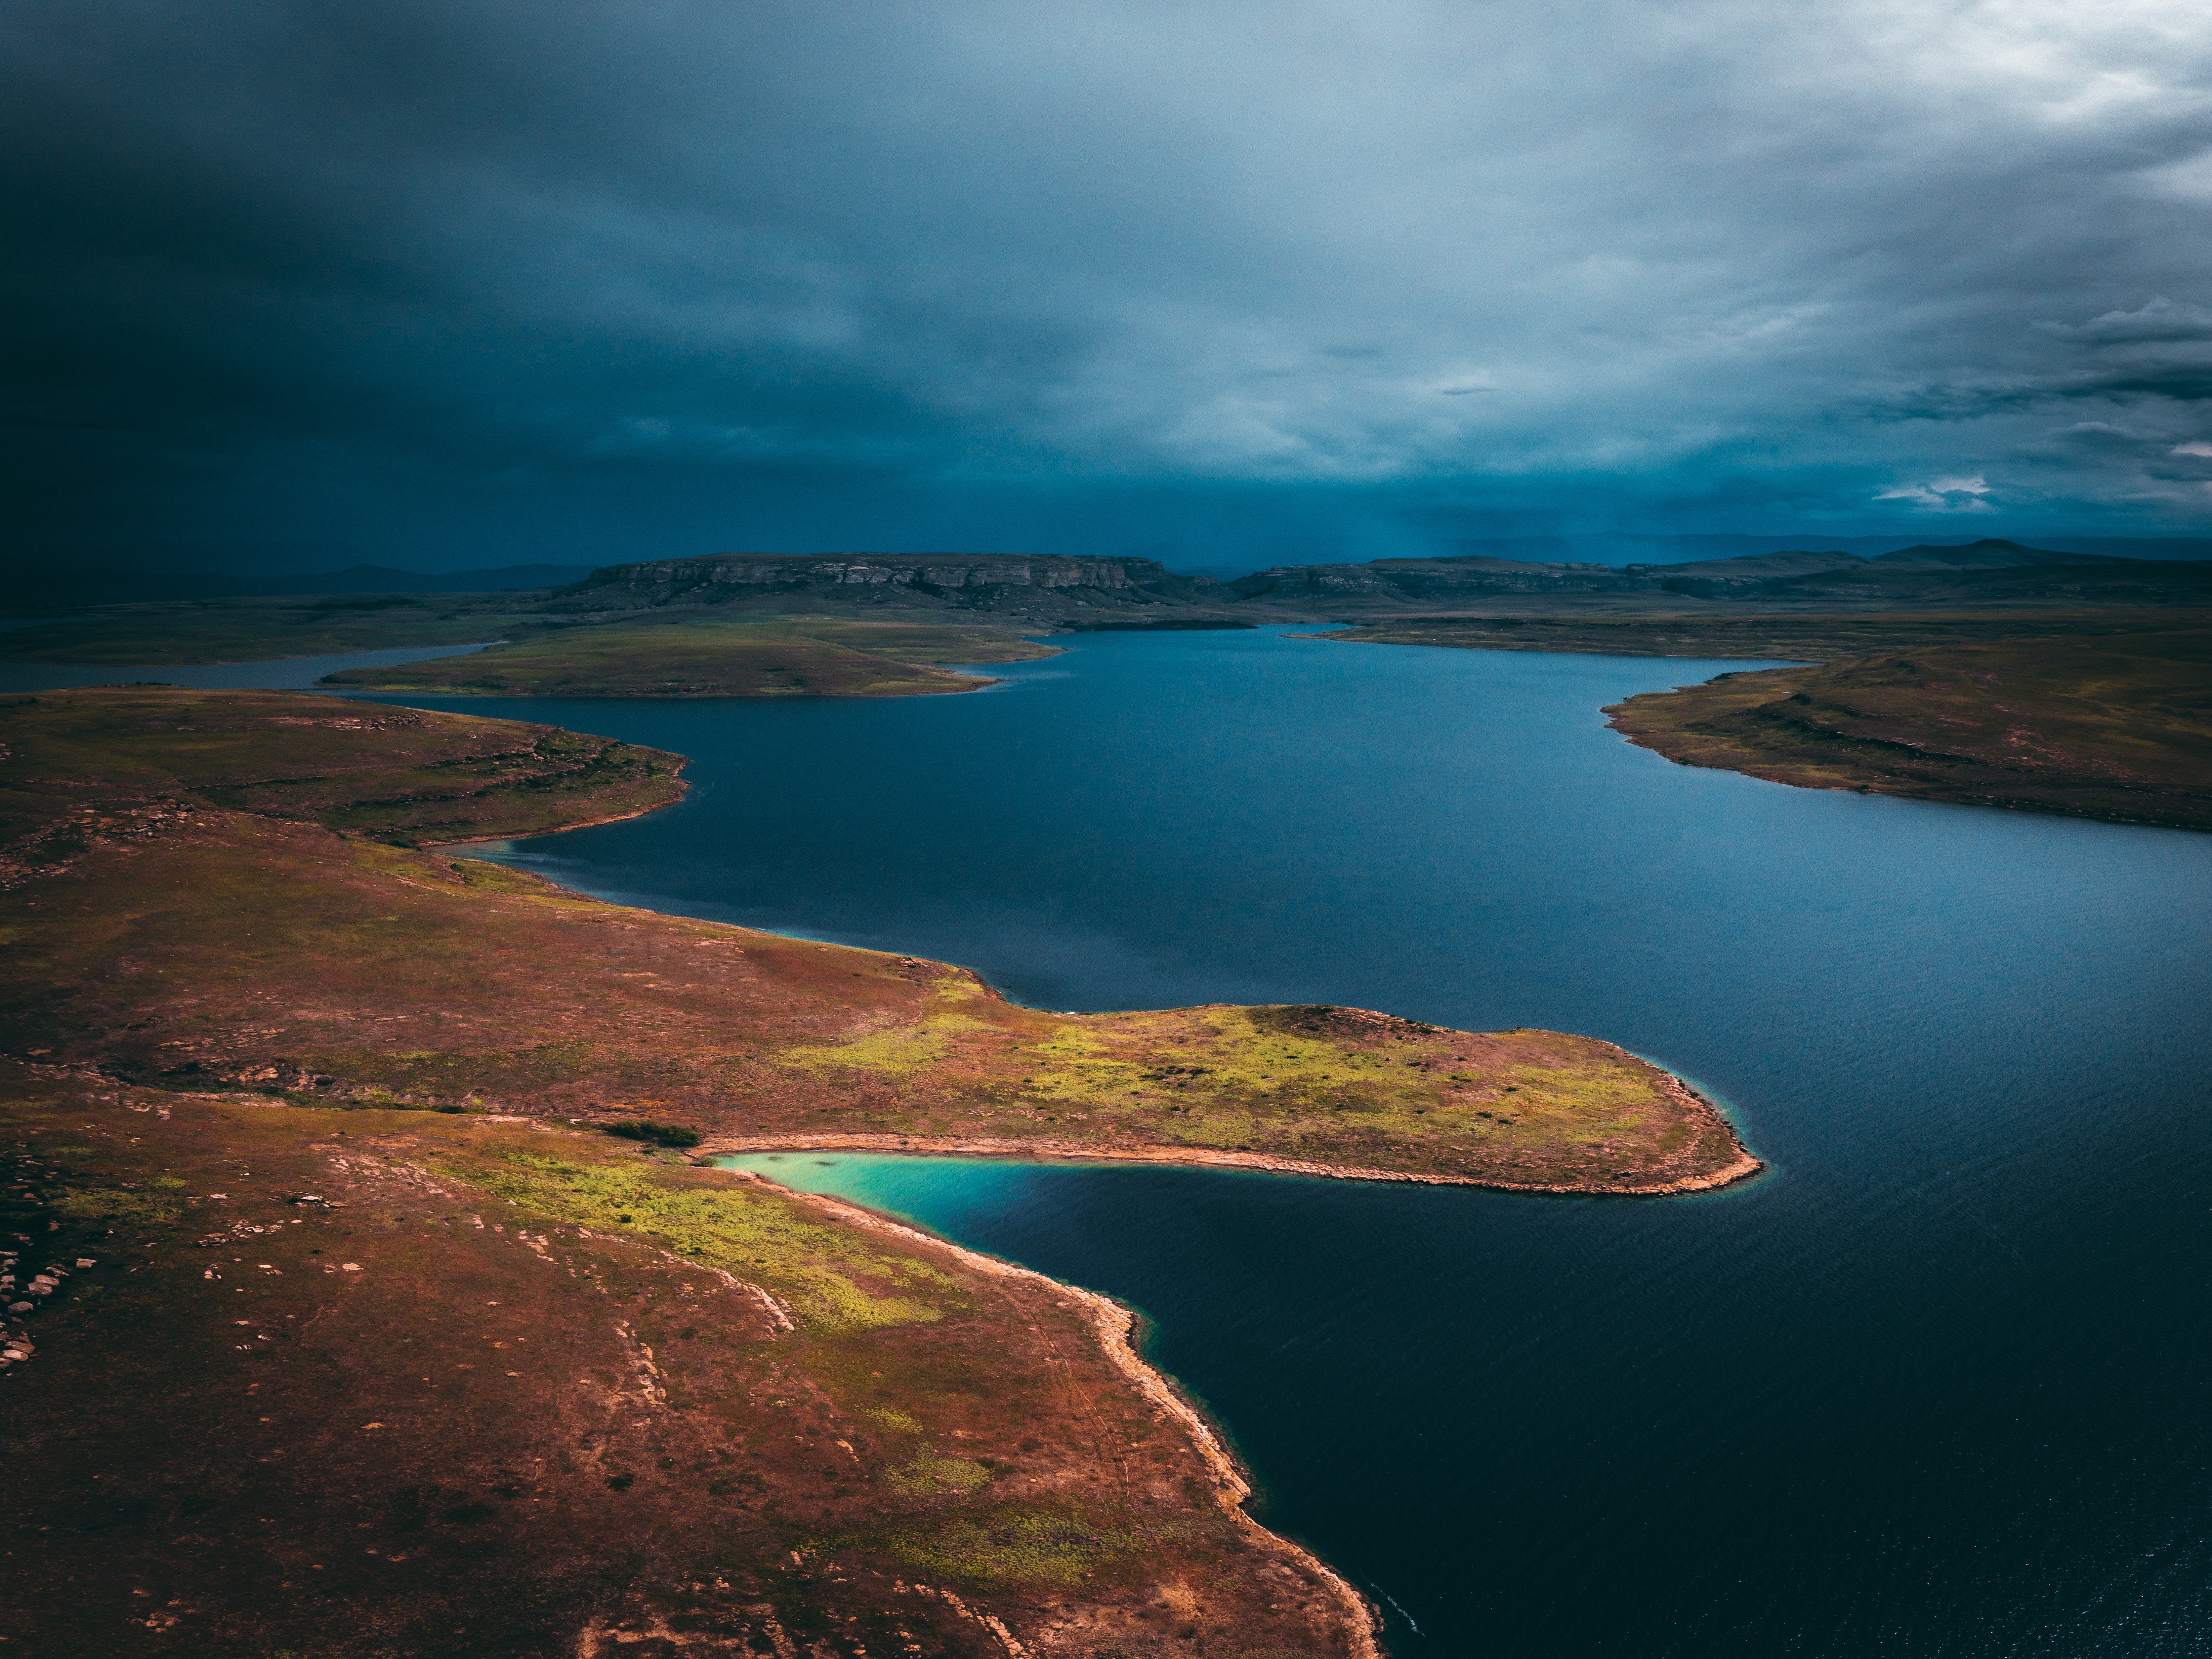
<point>315,1100</point>
<point>1758,633</point>
<point>2113,725</point>
<point>810,656</point>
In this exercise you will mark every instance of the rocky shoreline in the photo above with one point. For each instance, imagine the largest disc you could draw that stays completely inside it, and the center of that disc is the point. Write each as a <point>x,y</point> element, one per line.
<point>1744,1167</point>
<point>1115,1327</point>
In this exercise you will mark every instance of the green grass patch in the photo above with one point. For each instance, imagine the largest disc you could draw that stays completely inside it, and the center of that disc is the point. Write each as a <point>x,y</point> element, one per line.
<point>111,1205</point>
<point>1015,1545</point>
<point>815,1268</point>
<point>929,1474</point>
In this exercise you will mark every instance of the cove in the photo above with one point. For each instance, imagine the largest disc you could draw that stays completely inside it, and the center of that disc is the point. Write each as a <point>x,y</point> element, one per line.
<point>1935,1385</point>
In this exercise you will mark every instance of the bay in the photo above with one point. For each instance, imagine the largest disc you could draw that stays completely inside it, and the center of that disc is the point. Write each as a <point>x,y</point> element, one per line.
<point>1935,1385</point>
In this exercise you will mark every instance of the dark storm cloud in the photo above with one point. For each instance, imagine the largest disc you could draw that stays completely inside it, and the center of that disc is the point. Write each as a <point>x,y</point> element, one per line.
<point>598,279</point>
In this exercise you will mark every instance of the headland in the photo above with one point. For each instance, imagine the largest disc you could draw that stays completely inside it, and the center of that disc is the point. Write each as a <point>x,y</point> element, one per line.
<point>2113,724</point>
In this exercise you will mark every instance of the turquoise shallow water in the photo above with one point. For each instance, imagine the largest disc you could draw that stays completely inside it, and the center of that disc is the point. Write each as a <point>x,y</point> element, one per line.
<point>1937,1385</point>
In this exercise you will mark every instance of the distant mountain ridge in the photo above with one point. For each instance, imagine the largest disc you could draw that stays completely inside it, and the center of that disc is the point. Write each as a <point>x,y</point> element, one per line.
<point>1065,590</point>
<point>1070,591</point>
<point>1045,586</point>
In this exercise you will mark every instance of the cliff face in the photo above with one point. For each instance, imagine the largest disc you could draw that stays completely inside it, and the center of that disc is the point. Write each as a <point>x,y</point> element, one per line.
<point>1042,584</point>
<point>1064,590</point>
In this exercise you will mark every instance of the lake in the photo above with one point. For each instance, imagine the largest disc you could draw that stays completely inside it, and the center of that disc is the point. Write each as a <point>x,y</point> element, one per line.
<point>1936,1385</point>
<point>279,674</point>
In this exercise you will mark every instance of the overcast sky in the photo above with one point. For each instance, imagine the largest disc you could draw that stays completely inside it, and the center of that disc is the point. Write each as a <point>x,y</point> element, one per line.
<point>437,282</point>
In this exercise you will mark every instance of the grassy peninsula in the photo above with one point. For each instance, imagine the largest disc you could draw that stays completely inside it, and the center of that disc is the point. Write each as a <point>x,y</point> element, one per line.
<point>303,1110</point>
<point>296,821</point>
<point>820,657</point>
<point>2115,725</point>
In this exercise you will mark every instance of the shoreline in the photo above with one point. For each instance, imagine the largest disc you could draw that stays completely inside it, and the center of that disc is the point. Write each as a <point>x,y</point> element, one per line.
<point>977,682</point>
<point>1045,1152</point>
<point>683,788</point>
<point>1746,1166</point>
<point>1114,1326</point>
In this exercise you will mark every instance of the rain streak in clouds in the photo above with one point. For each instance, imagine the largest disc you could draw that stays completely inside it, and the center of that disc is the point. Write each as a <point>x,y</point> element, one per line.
<point>481,281</point>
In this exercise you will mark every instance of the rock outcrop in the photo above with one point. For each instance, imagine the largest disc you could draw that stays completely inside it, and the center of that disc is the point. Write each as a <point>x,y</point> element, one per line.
<point>1043,584</point>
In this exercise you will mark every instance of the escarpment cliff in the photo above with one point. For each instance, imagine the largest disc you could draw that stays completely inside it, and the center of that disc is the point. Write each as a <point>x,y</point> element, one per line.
<point>1048,586</point>
<point>1064,591</point>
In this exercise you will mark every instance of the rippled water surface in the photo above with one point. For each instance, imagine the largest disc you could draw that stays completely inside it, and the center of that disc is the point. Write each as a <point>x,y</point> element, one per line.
<point>1936,1385</point>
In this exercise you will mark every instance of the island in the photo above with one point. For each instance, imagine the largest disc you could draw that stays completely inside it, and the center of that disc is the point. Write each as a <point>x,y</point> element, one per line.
<point>310,1121</point>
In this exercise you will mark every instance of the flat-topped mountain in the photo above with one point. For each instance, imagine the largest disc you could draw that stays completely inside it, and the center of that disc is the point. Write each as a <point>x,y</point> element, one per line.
<point>1067,591</point>
<point>1045,586</point>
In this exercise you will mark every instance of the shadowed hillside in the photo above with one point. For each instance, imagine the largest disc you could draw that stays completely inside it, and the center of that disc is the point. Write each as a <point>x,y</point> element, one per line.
<point>2116,728</point>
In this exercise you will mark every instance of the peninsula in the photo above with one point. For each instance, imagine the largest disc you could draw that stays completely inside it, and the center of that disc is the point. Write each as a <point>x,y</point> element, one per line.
<point>716,657</point>
<point>2115,725</point>
<point>305,1115</point>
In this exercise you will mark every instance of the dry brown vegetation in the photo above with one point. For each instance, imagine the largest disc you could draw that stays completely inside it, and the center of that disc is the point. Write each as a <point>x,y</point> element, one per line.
<point>190,942</point>
<point>725,1419</point>
<point>1768,633</point>
<point>810,656</point>
<point>325,1383</point>
<point>2113,725</point>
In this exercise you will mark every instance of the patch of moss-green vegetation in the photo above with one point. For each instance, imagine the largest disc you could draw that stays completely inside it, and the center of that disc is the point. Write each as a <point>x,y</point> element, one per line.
<point>1244,1061</point>
<point>1016,1546</point>
<point>914,640</point>
<point>109,1204</point>
<point>895,1051</point>
<point>815,1267</point>
<point>927,1475</point>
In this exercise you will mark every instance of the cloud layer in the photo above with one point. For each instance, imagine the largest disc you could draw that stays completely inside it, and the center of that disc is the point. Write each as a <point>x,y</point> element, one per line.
<point>487,279</point>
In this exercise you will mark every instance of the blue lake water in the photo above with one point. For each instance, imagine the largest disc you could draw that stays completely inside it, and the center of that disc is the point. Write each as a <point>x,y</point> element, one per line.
<point>1938,1385</point>
<point>277,674</point>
